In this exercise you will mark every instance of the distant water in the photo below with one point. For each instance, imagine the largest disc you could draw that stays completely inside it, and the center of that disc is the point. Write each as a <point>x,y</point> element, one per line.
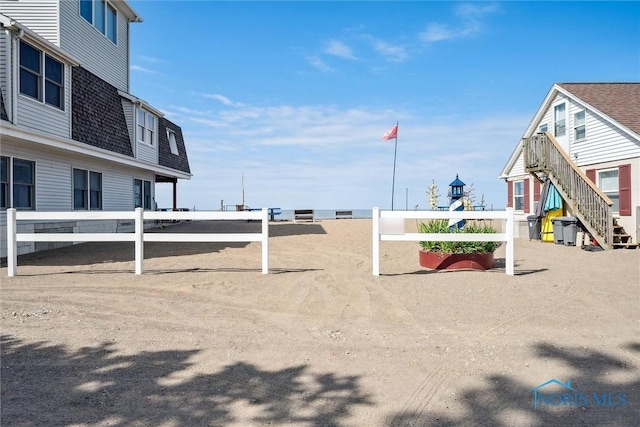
<point>321,214</point>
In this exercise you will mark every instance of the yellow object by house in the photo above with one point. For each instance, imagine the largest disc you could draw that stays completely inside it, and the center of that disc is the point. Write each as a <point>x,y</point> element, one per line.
<point>547,225</point>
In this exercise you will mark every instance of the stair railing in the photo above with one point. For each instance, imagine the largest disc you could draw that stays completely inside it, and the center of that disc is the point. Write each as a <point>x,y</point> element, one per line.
<point>542,153</point>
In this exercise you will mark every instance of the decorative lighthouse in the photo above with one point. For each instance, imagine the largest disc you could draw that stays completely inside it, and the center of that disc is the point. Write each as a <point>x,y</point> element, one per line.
<point>456,199</point>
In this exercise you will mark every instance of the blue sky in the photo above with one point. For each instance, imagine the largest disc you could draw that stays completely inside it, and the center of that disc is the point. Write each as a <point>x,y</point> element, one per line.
<point>296,96</point>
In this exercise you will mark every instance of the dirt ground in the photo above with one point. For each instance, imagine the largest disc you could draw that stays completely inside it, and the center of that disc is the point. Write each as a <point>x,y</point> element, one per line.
<point>203,339</point>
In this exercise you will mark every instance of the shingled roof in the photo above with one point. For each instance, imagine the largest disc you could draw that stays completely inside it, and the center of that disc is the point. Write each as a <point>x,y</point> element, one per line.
<point>620,101</point>
<point>165,156</point>
<point>97,114</point>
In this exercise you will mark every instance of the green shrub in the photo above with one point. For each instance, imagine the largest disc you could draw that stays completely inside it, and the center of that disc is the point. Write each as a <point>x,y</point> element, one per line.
<point>442,226</point>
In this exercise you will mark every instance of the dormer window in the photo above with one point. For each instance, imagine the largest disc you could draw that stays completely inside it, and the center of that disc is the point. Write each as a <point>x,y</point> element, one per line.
<point>41,76</point>
<point>146,127</point>
<point>102,16</point>
<point>173,145</point>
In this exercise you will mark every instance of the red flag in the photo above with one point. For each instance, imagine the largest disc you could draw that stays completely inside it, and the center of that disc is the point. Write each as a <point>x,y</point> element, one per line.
<point>391,133</point>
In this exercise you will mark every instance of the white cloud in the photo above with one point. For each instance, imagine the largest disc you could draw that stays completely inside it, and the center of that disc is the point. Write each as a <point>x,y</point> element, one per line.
<point>142,69</point>
<point>217,97</point>
<point>319,64</point>
<point>393,52</point>
<point>471,23</point>
<point>339,49</point>
<point>151,59</point>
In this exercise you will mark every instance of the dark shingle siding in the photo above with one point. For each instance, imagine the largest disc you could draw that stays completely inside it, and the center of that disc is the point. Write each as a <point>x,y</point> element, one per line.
<point>620,101</point>
<point>97,114</point>
<point>165,157</point>
<point>3,112</point>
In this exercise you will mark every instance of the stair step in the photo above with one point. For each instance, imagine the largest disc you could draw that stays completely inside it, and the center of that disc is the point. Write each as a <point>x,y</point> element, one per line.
<point>625,245</point>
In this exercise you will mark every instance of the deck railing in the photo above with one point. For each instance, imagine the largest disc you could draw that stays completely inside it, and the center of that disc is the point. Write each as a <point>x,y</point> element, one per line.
<point>589,204</point>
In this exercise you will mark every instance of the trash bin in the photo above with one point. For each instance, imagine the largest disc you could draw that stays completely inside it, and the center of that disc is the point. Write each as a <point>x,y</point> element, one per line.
<point>558,237</point>
<point>569,230</point>
<point>535,227</point>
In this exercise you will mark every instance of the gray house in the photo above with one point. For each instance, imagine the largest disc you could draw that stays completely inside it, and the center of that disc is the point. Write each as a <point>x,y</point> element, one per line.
<point>72,136</point>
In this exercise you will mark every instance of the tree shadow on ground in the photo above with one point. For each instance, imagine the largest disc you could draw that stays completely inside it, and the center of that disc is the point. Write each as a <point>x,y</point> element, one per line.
<point>43,384</point>
<point>506,401</point>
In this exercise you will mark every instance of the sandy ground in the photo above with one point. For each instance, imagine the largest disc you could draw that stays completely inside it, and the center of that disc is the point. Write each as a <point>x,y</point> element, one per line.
<point>204,339</point>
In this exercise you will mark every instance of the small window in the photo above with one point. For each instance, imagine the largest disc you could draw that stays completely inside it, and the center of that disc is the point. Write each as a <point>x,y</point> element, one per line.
<point>543,128</point>
<point>142,194</point>
<point>102,15</point>
<point>559,117</point>
<point>518,195</point>
<point>34,77</point>
<point>609,184</point>
<point>30,71</point>
<point>24,184</point>
<point>579,130</point>
<point>87,190</point>
<point>146,127</point>
<point>112,24</point>
<point>4,182</point>
<point>173,145</point>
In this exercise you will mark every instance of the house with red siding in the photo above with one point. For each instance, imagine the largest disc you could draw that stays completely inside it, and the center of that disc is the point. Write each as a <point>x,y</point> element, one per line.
<point>585,138</point>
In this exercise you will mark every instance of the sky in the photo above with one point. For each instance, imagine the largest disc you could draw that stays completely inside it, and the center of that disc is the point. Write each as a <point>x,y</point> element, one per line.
<point>288,101</point>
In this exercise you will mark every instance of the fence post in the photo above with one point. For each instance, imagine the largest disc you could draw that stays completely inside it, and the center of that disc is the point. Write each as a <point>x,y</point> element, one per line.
<point>375,221</point>
<point>139,240</point>
<point>12,245</point>
<point>265,241</point>
<point>509,251</point>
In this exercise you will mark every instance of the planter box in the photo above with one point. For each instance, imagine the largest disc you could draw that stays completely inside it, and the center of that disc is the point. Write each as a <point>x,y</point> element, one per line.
<point>444,261</point>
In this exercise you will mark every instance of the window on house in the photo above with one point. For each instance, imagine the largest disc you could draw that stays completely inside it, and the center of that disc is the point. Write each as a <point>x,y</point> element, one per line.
<point>559,120</point>
<point>146,127</point>
<point>173,145</point>
<point>608,183</point>
<point>4,182</point>
<point>21,176</point>
<point>102,16</point>
<point>579,130</point>
<point>518,195</point>
<point>142,193</point>
<point>87,190</point>
<point>34,77</point>
<point>543,128</point>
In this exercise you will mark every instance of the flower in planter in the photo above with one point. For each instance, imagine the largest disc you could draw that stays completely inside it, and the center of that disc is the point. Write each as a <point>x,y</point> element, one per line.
<point>442,226</point>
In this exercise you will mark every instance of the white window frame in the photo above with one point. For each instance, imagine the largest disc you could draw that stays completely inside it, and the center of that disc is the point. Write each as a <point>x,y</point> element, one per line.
<point>109,16</point>
<point>87,198</point>
<point>518,198</point>
<point>560,125</point>
<point>144,133</point>
<point>543,128</point>
<point>173,144</point>
<point>43,79</point>
<point>614,195</point>
<point>9,186</point>
<point>582,126</point>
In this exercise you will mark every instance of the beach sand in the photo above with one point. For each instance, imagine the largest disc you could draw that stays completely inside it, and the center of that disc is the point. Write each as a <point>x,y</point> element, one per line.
<point>203,339</point>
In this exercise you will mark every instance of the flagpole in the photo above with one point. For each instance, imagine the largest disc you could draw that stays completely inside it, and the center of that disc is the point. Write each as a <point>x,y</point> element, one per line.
<point>393,181</point>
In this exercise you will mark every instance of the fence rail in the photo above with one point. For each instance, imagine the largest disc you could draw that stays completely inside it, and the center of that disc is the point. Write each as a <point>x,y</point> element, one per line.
<point>389,226</point>
<point>138,235</point>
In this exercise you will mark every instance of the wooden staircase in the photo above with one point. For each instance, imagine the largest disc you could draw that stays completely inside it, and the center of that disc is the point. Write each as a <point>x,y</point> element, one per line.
<point>543,157</point>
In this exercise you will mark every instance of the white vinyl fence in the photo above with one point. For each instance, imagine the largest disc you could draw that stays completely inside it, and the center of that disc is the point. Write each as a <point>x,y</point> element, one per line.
<point>389,226</point>
<point>138,236</point>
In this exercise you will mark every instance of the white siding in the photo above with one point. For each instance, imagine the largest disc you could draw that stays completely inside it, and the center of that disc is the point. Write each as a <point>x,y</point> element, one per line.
<point>95,51</point>
<point>603,143</point>
<point>147,153</point>
<point>40,16</point>
<point>54,171</point>
<point>35,114</point>
<point>518,168</point>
